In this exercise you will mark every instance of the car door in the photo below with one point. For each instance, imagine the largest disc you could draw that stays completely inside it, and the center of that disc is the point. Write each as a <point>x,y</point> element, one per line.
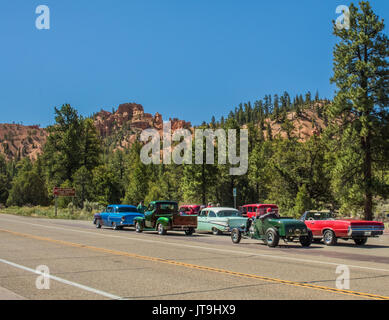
<point>105,216</point>
<point>314,223</point>
<point>149,214</point>
<point>211,220</point>
<point>111,216</point>
<point>202,220</point>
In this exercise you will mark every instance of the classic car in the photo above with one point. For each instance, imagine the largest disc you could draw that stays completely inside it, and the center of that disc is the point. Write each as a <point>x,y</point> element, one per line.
<point>190,209</point>
<point>326,227</point>
<point>270,228</point>
<point>117,216</point>
<point>252,210</point>
<point>164,215</point>
<point>219,220</point>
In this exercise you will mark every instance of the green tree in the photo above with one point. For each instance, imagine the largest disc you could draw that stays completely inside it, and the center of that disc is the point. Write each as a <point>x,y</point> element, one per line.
<point>303,201</point>
<point>5,180</point>
<point>28,187</point>
<point>63,150</point>
<point>137,177</point>
<point>106,185</point>
<point>361,102</point>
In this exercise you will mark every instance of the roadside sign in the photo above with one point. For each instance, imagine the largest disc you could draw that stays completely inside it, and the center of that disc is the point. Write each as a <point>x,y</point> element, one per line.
<point>64,192</point>
<point>234,191</point>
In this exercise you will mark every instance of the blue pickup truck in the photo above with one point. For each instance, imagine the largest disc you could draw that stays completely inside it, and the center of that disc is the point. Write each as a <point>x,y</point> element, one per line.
<point>117,217</point>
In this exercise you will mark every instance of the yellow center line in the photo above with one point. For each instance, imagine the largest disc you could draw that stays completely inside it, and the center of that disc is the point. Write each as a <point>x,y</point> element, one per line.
<point>198,267</point>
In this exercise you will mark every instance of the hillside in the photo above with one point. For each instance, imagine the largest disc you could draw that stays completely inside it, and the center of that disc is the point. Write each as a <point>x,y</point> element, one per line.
<point>119,129</point>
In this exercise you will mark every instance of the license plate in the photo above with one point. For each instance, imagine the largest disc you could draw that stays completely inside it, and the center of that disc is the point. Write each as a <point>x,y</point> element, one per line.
<point>368,233</point>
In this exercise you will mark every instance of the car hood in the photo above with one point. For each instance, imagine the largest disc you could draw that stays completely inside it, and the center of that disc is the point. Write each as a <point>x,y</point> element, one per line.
<point>288,222</point>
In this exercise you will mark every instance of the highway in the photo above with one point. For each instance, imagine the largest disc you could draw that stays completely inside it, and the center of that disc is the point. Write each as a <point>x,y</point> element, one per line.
<point>89,263</point>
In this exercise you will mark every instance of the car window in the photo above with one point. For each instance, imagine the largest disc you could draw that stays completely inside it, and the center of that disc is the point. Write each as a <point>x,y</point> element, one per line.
<point>109,209</point>
<point>228,213</point>
<point>203,213</point>
<point>211,214</point>
<point>244,209</point>
<point>151,207</point>
<point>168,207</point>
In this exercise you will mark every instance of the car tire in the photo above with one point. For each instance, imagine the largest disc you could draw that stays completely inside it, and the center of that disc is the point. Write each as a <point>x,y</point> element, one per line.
<point>329,238</point>
<point>360,241</point>
<point>272,238</point>
<point>216,232</point>
<point>115,226</point>
<point>98,224</point>
<point>94,221</point>
<point>189,231</point>
<point>138,227</point>
<point>236,235</point>
<point>306,241</point>
<point>161,229</point>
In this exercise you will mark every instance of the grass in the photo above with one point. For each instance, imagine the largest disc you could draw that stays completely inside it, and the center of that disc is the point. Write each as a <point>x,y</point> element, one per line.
<point>49,212</point>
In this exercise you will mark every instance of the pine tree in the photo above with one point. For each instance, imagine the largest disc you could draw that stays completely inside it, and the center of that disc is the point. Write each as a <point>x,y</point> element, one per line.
<point>361,75</point>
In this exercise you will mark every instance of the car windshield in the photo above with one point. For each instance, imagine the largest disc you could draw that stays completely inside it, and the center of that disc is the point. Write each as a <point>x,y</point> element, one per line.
<point>320,215</point>
<point>228,213</point>
<point>127,209</point>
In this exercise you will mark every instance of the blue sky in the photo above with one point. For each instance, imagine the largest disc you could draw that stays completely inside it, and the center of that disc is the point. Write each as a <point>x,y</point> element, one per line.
<point>189,59</point>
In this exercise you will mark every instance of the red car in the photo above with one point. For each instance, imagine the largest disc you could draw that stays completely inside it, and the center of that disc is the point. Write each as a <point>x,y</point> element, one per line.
<point>324,226</point>
<point>190,209</point>
<point>252,210</point>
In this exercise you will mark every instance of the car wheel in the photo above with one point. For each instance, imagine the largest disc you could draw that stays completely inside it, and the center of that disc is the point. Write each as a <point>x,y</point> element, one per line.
<point>360,241</point>
<point>115,226</point>
<point>236,236</point>
<point>189,232</point>
<point>138,227</point>
<point>306,240</point>
<point>216,232</point>
<point>98,224</point>
<point>329,238</point>
<point>161,229</point>
<point>272,238</point>
<point>94,221</point>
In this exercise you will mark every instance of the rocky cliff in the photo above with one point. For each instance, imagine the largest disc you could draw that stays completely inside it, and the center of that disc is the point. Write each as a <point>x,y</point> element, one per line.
<point>117,129</point>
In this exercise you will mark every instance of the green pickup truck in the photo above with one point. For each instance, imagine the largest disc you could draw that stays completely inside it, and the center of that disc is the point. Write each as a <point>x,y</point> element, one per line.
<point>270,228</point>
<point>162,216</point>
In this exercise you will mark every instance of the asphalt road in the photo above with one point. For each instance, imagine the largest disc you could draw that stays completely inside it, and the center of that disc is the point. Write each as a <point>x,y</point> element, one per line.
<point>89,263</point>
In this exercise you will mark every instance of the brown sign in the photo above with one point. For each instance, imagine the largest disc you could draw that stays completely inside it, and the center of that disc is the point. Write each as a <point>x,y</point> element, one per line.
<point>64,192</point>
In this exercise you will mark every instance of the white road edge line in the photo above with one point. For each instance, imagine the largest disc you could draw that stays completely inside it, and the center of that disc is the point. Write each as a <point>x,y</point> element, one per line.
<point>204,248</point>
<point>70,283</point>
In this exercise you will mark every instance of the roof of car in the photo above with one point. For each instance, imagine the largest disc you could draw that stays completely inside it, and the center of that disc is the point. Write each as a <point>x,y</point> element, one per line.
<point>122,206</point>
<point>261,205</point>
<point>217,209</point>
